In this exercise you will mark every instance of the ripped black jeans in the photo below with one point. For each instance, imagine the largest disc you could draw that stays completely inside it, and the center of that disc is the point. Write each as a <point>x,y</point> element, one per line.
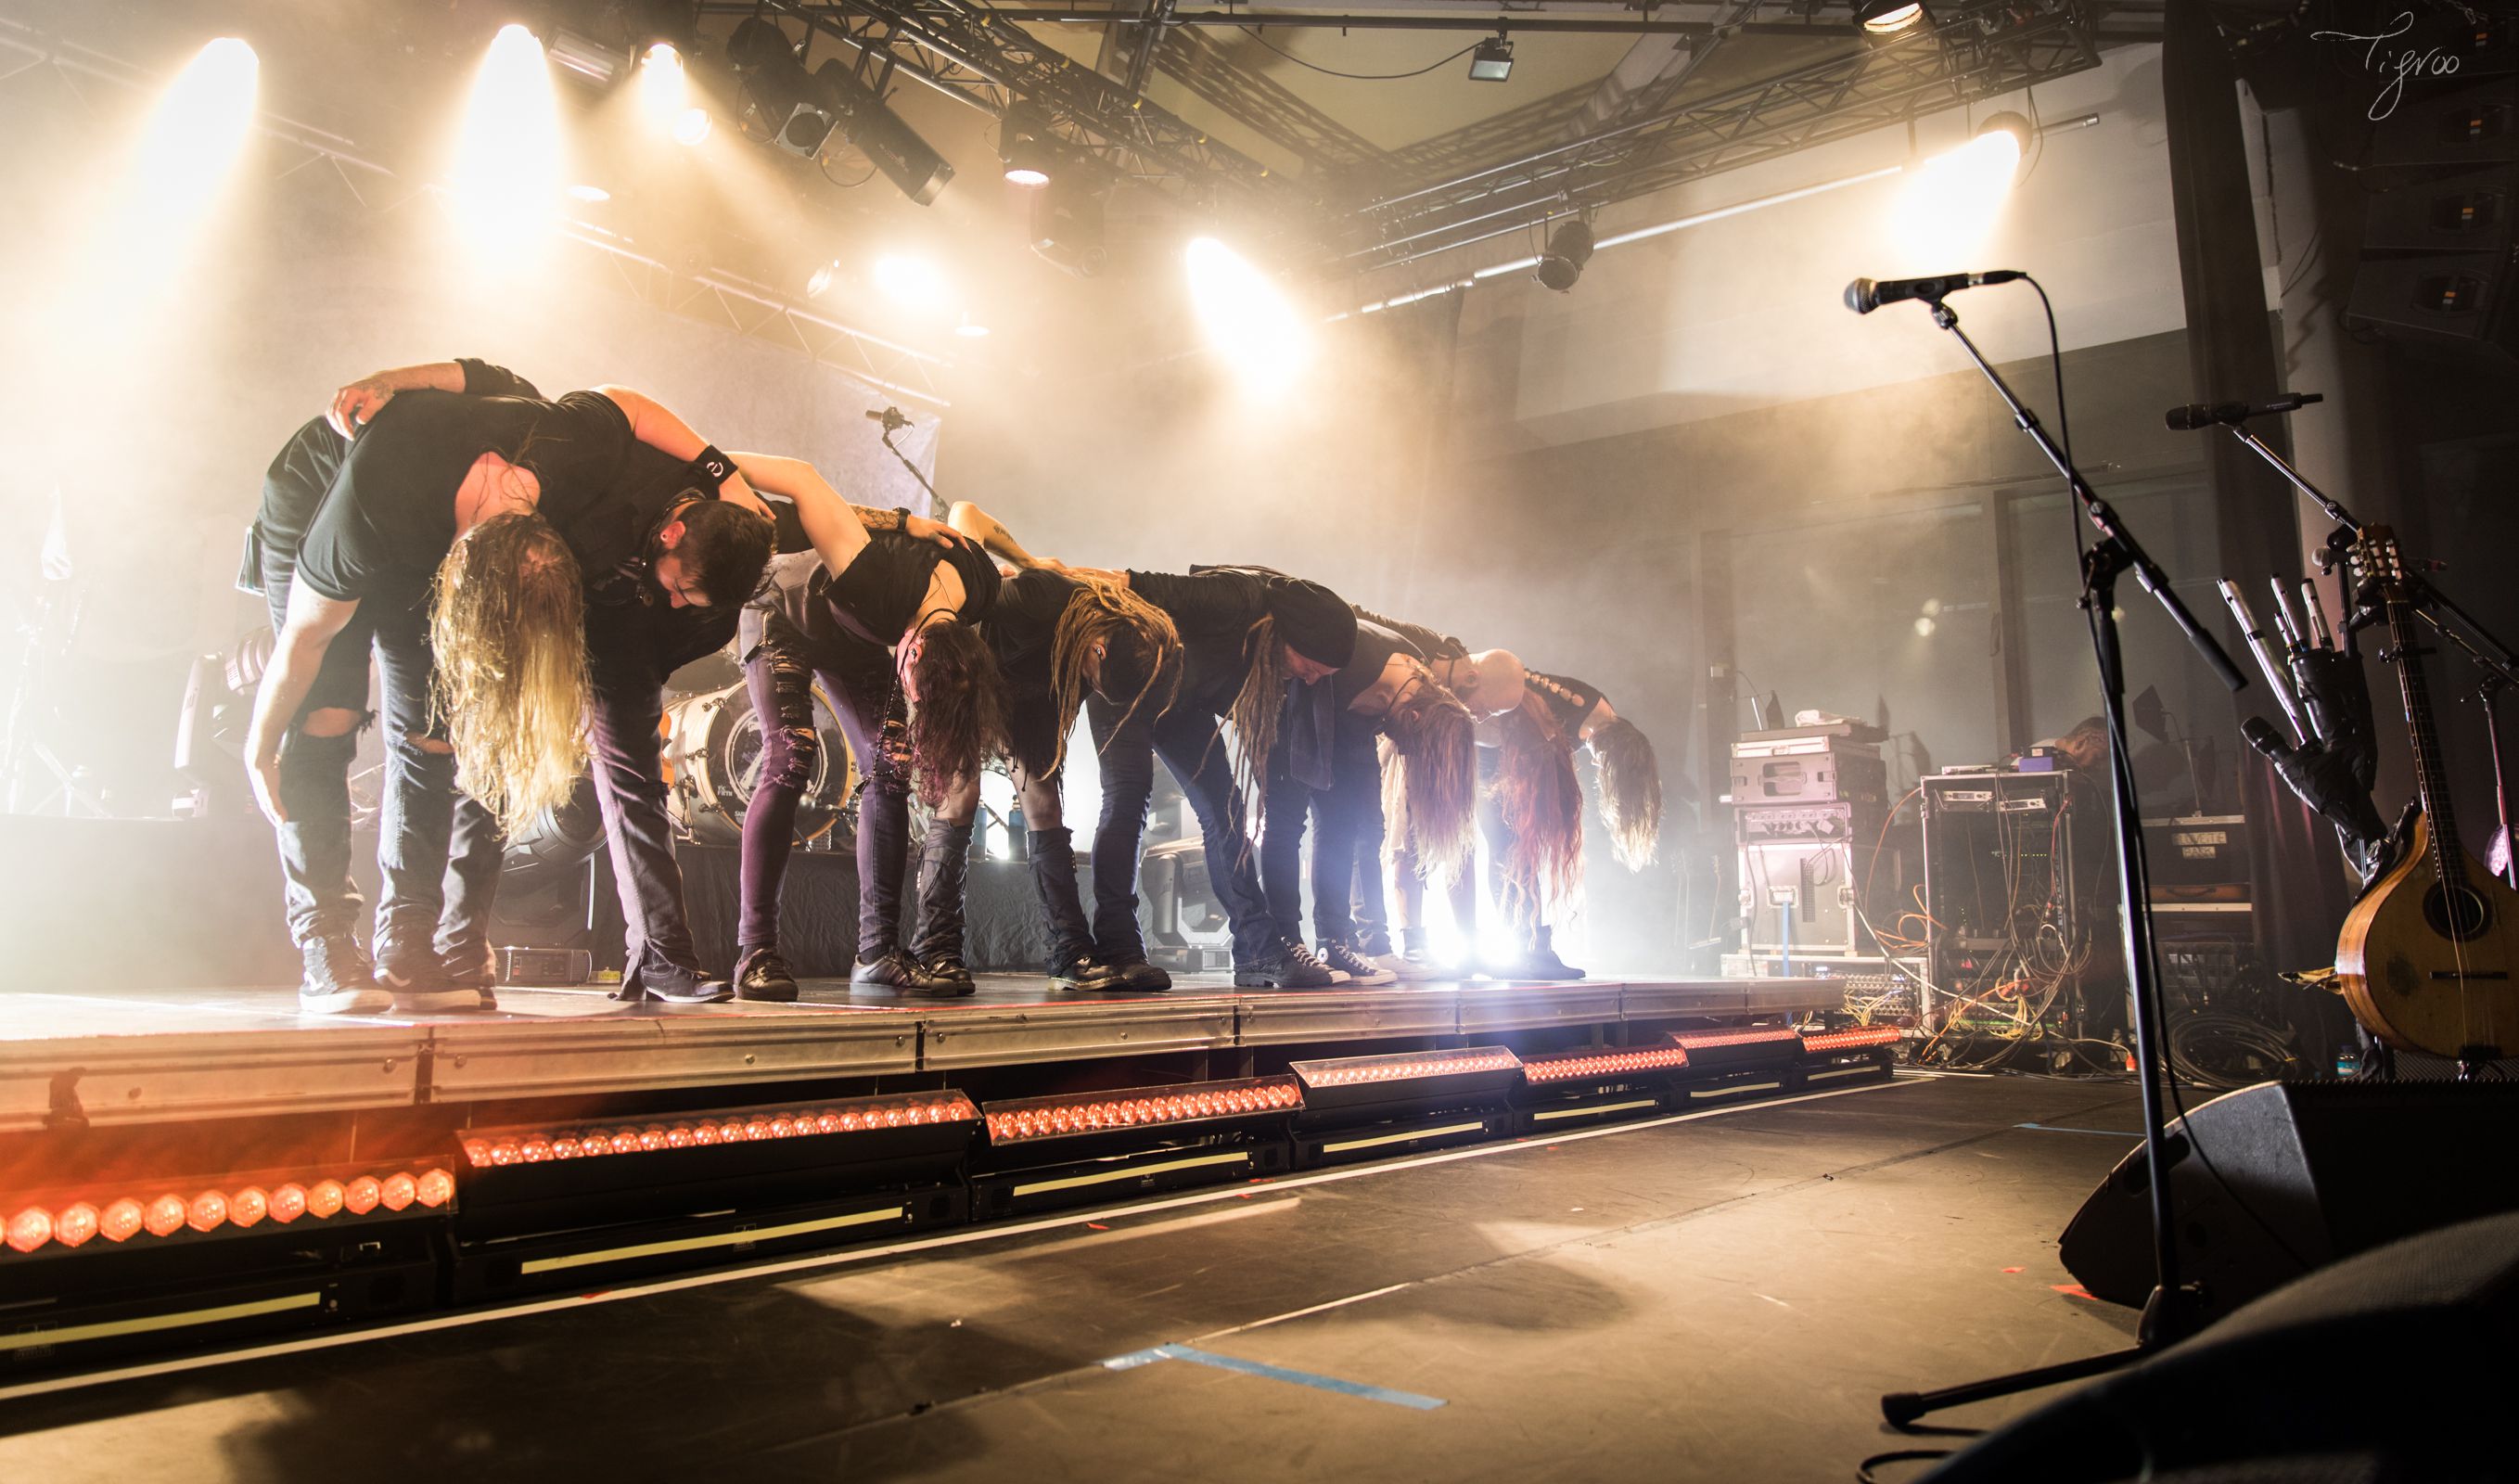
<point>780,667</point>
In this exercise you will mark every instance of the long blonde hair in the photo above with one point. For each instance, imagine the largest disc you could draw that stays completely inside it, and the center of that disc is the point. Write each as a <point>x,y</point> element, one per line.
<point>508,622</point>
<point>1253,716</point>
<point>1101,612</point>
<point>1430,784</point>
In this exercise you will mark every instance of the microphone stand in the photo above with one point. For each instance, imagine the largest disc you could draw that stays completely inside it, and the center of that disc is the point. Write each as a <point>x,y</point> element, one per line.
<point>2499,665</point>
<point>2169,1315</point>
<point>893,422</point>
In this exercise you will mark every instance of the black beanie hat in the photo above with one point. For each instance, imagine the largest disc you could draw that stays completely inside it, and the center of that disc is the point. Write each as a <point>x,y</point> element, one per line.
<point>1317,622</point>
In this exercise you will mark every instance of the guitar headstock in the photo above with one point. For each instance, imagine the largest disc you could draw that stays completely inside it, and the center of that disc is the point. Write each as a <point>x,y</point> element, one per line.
<point>2375,557</point>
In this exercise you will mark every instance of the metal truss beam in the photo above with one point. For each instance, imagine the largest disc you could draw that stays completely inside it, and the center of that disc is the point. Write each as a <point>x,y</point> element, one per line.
<point>967,51</point>
<point>1261,104</point>
<point>1868,88</point>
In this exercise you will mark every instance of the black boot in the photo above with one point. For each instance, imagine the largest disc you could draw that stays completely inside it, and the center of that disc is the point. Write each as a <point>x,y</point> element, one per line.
<point>1540,961</point>
<point>1073,963</point>
<point>944,871</point>
<point>338,980</point>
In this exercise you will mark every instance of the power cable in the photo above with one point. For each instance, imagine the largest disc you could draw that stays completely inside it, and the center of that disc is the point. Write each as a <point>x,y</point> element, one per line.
<point>1357,76</point>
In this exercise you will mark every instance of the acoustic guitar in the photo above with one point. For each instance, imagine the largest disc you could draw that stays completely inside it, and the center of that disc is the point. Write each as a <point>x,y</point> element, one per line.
<point>2425,957</point>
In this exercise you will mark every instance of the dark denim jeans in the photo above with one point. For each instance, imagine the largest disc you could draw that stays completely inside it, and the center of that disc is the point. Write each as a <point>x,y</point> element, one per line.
<point>1186,739</point>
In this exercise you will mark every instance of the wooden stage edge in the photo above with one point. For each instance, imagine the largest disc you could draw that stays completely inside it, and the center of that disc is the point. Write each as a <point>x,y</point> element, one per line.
<point>116,1057</point>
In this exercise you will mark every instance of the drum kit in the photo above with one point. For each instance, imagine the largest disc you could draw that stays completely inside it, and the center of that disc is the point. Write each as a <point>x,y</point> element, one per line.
<point>713,764</point>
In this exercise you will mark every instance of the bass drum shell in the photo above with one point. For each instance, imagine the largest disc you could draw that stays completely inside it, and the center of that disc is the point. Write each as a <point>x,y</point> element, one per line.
<point>713,764</point>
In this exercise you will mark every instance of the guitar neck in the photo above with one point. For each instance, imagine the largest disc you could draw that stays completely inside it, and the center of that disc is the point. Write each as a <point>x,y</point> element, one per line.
<point>2431,781</point>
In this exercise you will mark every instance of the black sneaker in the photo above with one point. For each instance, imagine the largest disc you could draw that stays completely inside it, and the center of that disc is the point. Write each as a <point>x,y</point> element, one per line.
<point>950,968</point>
<point>673,984</point>
<point>339,981</point>
<point>1542,962</point>
<point>1086,972</point>
<point>426,989</point>
<point>476,972</point>
<point>1291,967</point>
<point>762,975</point>
<point>897,970</point>
<point>1137,976</point>
<point>1342,958</point>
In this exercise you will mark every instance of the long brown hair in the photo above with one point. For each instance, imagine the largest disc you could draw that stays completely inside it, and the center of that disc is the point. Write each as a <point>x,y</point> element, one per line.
<point>1254,714</point>
<point>508,622</point>
<point>1541,869</point>
<point>959,721</point>
<point>1630,792</point>
<point>1135,635</point>
<point>1430,781</point>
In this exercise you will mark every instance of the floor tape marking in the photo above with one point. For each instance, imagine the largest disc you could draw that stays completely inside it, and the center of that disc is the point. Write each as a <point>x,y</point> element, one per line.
<point>1263,1370</point>
<point>2054,1128</point>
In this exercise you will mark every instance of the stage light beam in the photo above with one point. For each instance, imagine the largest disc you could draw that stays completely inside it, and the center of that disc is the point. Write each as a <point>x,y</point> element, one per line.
<point>197,133</point>
<point>507,173</point>
<point>1951,201</point>
<point>664,92</point>
<point>1246,317</point>
<point>914,284</point>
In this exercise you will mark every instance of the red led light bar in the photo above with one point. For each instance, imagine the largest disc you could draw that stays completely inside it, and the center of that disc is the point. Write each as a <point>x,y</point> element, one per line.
<point>240,1202</point>
<point>1701,1039</point>
<point>1602,1063</point>
<point>1059,1117</point>
<point>1406,1067</point>
<point>1850,1039</point>
<point>486,1148</point>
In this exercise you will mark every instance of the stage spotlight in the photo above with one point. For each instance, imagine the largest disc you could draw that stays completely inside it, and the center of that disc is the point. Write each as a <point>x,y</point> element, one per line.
<point>1570,247</point>
<point>781,90</point>
<point>590,194</point>
<point>506,163</point>
<point>664,91</point>
<point>1950,202</point>
<point>911,283</point>
<point>1492,61</point>
<point>693,126</point>
<point>595,63</point>
<point>870,126</point>
<point>1246,316</point>
<point>1023,143</point>
<point>971,330</point>
<point>1887,18</point>
<point>819,279</point>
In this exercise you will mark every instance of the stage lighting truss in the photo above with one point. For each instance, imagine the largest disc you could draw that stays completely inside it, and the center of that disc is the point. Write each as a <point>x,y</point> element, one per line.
<point>488,1149</point>
<point>1971,54</point>
<point>1189,1108</point>
<point>137,1214</point>
<point>1605,1064</point>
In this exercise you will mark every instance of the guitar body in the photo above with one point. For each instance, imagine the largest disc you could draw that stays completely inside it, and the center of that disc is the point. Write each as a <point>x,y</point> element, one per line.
<point>2427,970</point>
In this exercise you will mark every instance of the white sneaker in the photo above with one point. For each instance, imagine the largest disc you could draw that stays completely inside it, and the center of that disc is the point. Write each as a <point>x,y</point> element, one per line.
<point>1405,970</point>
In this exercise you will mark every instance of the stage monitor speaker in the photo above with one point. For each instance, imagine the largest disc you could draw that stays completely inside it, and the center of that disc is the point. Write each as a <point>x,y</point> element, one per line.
<point>2466,212</point>
<point>2388,1367</point>
<point>2276,1180</point>
<point>2477,125</point>
<point>2451,300</point>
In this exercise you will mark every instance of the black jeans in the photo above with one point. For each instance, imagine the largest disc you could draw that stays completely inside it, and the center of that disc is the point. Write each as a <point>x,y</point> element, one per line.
<point>1347,834</point>
<point>1186,739</point>
<point>437,851</point>
<point>780,667</point>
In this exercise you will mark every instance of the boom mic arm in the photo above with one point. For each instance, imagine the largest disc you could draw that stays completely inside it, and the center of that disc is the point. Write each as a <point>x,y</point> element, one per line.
<point>2203,415</point>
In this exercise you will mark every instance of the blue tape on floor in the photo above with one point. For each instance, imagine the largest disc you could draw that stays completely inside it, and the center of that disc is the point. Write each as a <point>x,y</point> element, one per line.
<point>1136,1358</point>
<point>2114,1133</point>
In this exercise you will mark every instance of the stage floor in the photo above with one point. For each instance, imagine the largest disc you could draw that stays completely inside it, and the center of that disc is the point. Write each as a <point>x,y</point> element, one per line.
<point>1719,1297</point>
<point>146,1055</point>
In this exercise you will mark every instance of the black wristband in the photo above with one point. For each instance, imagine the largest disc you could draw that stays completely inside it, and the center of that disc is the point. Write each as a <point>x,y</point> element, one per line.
<point>714,466</point>
<point>904,512</point>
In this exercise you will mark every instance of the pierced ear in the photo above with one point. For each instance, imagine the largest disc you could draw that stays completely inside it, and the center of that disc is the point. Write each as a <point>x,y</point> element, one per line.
<point>669,536</point>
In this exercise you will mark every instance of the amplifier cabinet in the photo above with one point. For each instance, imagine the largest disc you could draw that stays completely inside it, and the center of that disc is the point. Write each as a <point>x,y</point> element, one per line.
<point>1807,770</point>
<point>1800,895</point>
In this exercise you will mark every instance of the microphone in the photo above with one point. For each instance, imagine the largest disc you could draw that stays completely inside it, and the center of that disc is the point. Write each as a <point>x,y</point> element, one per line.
<point>891,418</point>
<point>2262,736</point>
<point>1863,296</point>
<point>2200,414</point>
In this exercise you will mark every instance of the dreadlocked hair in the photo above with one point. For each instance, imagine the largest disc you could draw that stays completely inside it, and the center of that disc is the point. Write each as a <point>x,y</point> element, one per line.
<point>1434,773</point>
<point>1630,792</point>
<point>508,622</point>
<point>1255,712</point>
<point>1139,642</point>
<point>1535,792</point>
<point>959,722</point>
